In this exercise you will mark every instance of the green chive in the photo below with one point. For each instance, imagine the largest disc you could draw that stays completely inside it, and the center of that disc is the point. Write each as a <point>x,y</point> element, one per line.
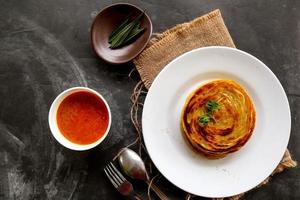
<point>134,35</point>
<point>122,35</point>
<point>126,32</point>
<point>118,29</point>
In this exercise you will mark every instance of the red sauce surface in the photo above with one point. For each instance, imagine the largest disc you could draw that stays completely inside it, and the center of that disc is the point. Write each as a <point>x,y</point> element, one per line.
<point>82,117</point>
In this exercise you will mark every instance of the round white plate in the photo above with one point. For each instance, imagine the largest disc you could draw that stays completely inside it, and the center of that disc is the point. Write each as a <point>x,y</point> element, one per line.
<point>240,171</point>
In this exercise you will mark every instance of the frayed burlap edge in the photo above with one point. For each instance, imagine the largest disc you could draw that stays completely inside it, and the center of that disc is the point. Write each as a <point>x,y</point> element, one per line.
<point>190,28</point>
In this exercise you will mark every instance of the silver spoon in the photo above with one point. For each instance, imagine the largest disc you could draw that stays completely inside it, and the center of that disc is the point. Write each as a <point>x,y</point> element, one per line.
<point>134,167</point>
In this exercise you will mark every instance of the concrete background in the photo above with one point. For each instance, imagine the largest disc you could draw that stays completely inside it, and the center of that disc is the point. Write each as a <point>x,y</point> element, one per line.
<point>44,49</point>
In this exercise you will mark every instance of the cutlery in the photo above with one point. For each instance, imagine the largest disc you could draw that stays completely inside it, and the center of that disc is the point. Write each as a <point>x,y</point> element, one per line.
<point>133,165</point>
<point>123,186</point>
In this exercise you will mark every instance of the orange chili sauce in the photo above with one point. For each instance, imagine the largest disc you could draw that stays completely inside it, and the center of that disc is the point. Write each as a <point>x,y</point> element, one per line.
<point>82,117</point>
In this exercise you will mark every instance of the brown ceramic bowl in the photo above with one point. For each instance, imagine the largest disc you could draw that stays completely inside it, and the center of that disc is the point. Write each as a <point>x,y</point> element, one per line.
<point>106,21</point>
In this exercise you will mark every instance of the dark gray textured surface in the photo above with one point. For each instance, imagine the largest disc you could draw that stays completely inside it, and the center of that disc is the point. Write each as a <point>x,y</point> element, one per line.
<point>44,49</point>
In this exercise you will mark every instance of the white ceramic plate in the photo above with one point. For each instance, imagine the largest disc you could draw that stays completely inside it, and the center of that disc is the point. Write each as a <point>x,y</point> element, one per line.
<point>240,171</point>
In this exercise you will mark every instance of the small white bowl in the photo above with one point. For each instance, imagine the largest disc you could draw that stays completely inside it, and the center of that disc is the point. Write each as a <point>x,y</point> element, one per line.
<point>53,122</point>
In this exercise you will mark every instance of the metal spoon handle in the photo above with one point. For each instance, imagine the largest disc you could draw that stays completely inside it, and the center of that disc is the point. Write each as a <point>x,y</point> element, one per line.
<point>157,191</point>
<point>137,197</point>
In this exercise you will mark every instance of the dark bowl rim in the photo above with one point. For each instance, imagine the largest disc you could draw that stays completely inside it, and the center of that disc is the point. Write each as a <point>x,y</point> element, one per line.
<point>138,52</point>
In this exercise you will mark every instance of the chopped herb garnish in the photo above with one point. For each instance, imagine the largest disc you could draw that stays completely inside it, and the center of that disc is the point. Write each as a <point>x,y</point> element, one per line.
<point>204,119</point>
<point>212,106</point>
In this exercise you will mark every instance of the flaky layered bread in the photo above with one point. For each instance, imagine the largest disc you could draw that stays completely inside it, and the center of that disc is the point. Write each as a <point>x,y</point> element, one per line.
<point>227,128</point>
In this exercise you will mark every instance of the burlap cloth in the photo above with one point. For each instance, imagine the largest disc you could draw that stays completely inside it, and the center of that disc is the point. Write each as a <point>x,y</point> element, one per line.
<point>207,30</point>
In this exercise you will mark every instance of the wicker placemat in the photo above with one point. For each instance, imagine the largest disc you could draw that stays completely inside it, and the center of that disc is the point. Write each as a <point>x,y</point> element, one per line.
<point>207,30</point>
